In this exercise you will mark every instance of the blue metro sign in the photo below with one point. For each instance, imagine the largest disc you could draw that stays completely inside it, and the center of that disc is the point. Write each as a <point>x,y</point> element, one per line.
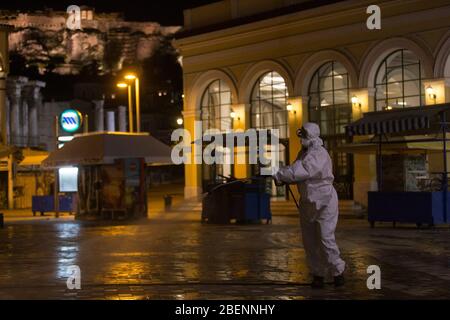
<point>70,120</point>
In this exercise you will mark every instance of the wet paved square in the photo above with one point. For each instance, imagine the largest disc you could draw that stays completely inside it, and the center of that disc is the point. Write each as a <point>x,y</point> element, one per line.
<point>174,256</point>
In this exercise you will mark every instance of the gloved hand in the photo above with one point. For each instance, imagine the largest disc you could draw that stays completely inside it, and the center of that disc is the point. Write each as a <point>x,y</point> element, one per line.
<point>278,182</point>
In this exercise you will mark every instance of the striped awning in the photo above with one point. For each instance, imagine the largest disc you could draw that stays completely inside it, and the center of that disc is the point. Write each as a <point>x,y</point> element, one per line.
<point>408,120</point>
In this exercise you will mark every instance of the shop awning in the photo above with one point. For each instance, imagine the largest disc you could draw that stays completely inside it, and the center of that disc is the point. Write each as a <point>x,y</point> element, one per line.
<point>105,147</point>
<point>408,120</point>
<point>33,157</point>
<point>406,145</point>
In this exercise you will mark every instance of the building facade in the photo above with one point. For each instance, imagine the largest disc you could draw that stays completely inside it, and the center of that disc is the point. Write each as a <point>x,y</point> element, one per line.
<point>278,64</point>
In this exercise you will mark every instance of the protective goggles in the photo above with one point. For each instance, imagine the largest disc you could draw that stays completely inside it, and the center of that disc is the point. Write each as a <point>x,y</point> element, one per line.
<point>302,133</point>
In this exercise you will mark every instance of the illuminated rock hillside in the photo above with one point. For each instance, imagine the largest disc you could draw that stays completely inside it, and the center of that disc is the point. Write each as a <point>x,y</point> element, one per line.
<point>105,41</point>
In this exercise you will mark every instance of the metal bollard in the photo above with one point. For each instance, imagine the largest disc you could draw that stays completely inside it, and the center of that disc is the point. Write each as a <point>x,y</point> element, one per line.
<point>1,220</point>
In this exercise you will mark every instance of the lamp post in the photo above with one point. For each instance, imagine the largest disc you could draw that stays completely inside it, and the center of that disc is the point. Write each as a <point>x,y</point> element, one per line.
<point>123,85</point>
<point>56,189</point>
<point>130,77</point>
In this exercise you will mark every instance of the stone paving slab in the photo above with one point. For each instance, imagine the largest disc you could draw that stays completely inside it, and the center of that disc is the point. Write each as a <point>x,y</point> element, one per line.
<point>174,256</point>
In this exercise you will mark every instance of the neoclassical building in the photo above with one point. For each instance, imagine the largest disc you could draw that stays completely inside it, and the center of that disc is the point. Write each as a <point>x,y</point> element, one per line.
<point>278,64</point>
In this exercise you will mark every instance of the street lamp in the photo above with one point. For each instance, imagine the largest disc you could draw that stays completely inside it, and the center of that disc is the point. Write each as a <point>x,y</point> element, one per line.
<point>290,108</point>
<point>431,93</point>
<point>123,85</point>
<point>131,77</point>
<point>355,101</point>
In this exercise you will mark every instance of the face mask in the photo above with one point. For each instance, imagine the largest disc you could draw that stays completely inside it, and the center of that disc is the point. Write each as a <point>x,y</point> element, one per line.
<point>305,143</point>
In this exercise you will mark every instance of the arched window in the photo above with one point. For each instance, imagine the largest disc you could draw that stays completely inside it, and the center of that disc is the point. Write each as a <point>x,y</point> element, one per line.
<point>398,81</point>
<point>330,107</point>
<point>268,111</point>
<point>447,67</point>
<point>216,106</point>
<point>215,114</point>
<point>269,100</point>
<point>329,103</point>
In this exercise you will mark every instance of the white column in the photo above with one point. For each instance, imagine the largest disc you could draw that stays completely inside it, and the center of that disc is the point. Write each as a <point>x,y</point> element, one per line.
<point>110,121</point>
<point>99,115</point>
<point>34,99</point>
<point>122,113</point>
<point>33,134</point>
<point>14,89</point>
<point>24,124</point>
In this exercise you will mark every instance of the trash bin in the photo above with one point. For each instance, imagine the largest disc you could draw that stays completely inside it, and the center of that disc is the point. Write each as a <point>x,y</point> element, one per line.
<point>44,204</point>
<point>167,202</point>
<point>236,200</point>
<point>219,204</point>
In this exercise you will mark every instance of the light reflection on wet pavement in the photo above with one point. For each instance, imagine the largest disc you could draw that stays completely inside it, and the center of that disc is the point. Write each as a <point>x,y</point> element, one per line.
<point>174,256</point>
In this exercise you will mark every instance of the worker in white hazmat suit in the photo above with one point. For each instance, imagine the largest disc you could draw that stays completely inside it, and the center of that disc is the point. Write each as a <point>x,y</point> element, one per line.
<point>318,208</point>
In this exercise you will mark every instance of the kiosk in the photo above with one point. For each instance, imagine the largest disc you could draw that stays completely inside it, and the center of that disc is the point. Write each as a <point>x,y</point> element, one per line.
<point>423,128</point>
<point>111,179</point>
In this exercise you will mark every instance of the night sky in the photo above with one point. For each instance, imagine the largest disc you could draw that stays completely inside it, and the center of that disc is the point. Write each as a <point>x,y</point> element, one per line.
<point>166,12</point>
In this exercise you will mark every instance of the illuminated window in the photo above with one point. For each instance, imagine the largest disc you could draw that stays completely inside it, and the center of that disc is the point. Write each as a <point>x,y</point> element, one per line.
<point>330,107</point>
<point>215,114</point>
<point>216,106</point>
<point>329,103</point>
<point>268,111</point>
<point>398,81</point>
<point>269,101</point>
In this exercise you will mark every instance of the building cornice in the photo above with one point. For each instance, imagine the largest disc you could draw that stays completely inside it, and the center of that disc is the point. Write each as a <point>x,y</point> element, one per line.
<point>340,37</point>
<point>313,20</point>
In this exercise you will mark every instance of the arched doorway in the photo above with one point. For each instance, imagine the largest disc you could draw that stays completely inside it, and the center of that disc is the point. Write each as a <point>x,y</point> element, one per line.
<point>268,111</point>
<point>215,114</point>
<point>398,83</point>
<point>330,107</point>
